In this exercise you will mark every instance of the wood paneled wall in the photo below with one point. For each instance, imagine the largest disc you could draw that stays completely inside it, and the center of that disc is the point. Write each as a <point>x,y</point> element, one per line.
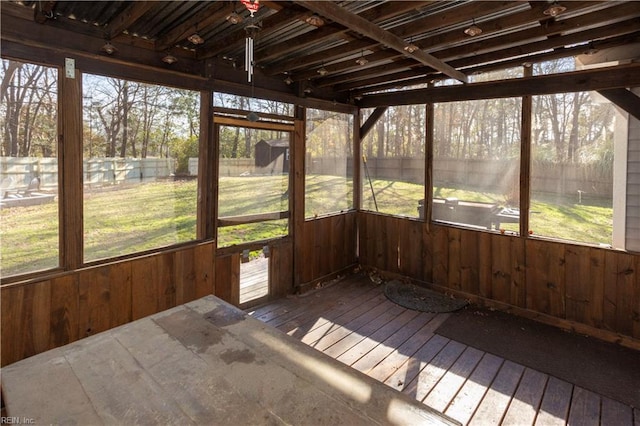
<point>327,246</point>
<point>587,289</point>
<point>41,315</point>
<point>280,271</point>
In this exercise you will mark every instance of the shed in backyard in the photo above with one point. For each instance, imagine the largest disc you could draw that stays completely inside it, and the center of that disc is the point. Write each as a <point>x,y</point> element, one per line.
<point>273,154</point>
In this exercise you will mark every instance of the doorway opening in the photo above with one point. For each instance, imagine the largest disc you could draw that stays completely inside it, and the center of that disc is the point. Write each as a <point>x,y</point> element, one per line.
<point>254,275</point>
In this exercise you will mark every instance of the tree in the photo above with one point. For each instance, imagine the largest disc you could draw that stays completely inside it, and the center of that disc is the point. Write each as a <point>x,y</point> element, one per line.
<point>28,99</point>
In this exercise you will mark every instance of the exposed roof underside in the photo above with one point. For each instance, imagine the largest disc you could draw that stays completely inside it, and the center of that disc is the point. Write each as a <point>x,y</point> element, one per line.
<point>382,32</point>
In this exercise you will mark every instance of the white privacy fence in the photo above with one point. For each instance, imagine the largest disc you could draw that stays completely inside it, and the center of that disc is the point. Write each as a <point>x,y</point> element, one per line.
<point>18,172</point>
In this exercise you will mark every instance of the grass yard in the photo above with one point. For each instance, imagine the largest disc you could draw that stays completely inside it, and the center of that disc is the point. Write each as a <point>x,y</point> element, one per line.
<point>124,220</point>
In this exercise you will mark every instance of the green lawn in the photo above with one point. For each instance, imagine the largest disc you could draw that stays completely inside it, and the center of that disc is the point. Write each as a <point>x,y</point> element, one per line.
<point>124,220</point>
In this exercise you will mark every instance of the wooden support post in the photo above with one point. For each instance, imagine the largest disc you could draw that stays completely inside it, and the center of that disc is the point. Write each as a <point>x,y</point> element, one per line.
<point>207,169</point>
<point>296,199</point>
<point>70,175</point>
<point>357,155</point>
<point>428,167</point>
<point>525,159</point>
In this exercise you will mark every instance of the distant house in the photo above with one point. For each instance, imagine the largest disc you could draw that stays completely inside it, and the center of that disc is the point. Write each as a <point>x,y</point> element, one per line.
<point>273,154</point>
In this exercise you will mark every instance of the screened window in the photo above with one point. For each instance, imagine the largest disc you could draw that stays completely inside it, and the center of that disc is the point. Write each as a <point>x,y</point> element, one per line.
<point>572,167</point>
<point>253,185</point>
<point>329,163</point>
<point>393,162</point>
<point>28,168</point>
<point>245,103</point>
<point>476,163</point>
<point>140,192</point>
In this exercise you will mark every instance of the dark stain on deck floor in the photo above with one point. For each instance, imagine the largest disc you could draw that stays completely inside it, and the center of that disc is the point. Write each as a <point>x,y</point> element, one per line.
<point>609,369</point>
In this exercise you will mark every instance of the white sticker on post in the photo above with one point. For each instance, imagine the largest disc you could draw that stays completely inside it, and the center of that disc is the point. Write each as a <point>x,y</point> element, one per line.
<point>70,67</point>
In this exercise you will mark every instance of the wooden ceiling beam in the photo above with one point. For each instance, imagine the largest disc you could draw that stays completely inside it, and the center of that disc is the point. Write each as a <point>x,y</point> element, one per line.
<point>293,64</point>
<point>415,77</point>
<point>525,25</point>
<point>201,20</point>
<point>301,42</point>
<point>549,29</point>
<point>372,120</point>
<point>43,11</point>
<point>127,17</point>
<point>376,14</point>
<point>594,79</point>
<point>625,99</point>
<point>516,19</point>
<point>379,71</point>
<point>269,24</point>
<point>381,82</point>
<point>339,69</point>
<point>410,78</point>
<point>469,56</point>
<point>431,21</point>
<point>613,30</point>
<point>464,13</point>
<point>368,29</point>
<point>393,9</point>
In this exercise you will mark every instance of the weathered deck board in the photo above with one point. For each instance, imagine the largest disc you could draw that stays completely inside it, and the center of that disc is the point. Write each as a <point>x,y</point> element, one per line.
<point>384,349</point>
<point>468,398</point>
<point>447,388</point>
<point>355,324</point>
<point>555,403</point>
<point>526,400</point>
<point>616,413</point>
<point>215,366</point>
<point>585,407</point>
<point>254,279</point>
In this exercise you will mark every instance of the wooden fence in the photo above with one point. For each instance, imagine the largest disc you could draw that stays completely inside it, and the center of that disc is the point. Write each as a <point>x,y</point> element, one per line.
<point>487,175</point>
<point>17,172</point>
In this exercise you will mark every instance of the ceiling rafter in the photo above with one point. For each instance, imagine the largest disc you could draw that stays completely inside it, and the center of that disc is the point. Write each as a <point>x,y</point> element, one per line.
<point>123,21</point>
<point>513,32</point>
<point>376,14</point>
<point>612,30</point>
<point>301,42</point>
<point>625,31</point>
<point>271,23</point>
<point>318,57</point>
<point>204,18</point>
<point>43,11</point>
<point>445,18</point>
<point>551,28</point>
<point>625,99</point>
<point>465,13</point>
<point>455,37</point>
<point>371,30</point>
<point>576,81</point>
<point>409,78</point>
<point>469,55</point>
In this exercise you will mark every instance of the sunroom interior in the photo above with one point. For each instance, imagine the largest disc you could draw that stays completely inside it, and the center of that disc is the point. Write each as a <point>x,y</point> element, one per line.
<point>281,159</point>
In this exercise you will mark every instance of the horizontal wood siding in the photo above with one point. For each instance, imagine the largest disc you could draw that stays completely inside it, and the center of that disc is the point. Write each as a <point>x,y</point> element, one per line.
<point>633,184</point>
<point>41,315</point>
<point>595,289</point>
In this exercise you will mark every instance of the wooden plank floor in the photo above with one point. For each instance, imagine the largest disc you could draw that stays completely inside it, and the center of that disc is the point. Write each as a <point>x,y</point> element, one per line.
<point>353,322</point>
<point>254,279</point>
